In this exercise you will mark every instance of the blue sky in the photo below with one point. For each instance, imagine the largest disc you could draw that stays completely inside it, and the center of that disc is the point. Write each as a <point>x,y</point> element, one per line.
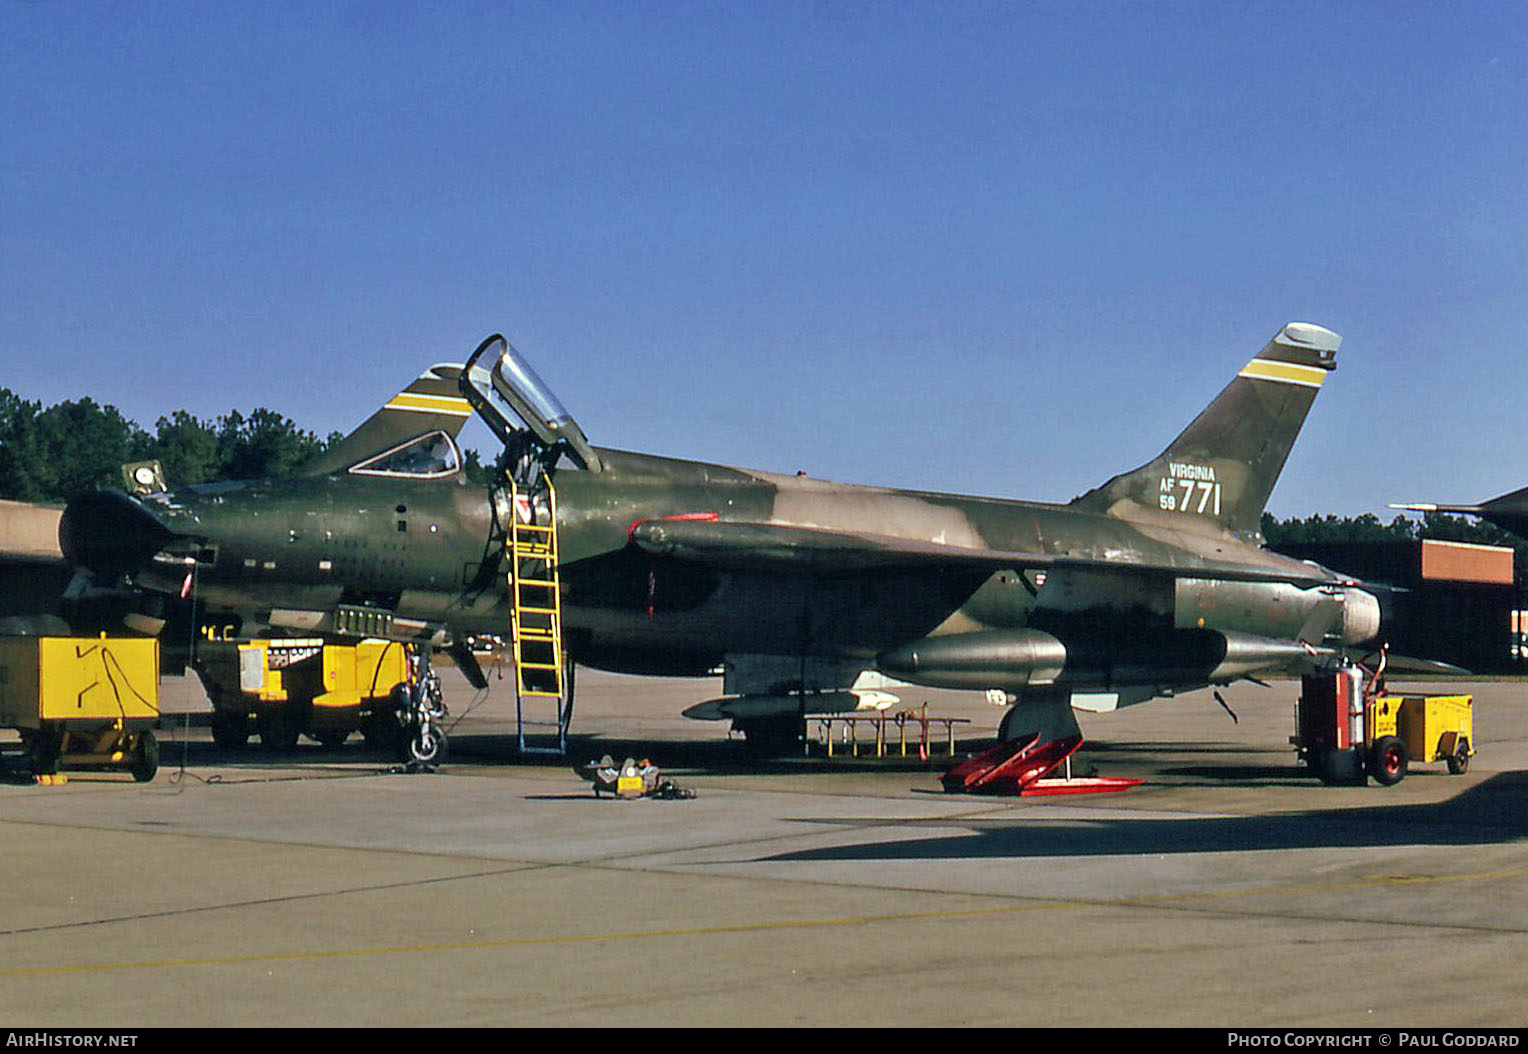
<point>1007,249</point>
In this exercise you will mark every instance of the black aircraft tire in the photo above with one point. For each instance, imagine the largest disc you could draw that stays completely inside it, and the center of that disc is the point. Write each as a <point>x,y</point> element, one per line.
<point>424,749</point>
<point>772,737</point>
<point>1388,761</point>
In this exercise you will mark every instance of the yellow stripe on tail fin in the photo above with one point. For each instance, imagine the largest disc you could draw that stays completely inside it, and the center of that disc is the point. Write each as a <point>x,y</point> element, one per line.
<point>1217,475</point>
<point>431,403</point>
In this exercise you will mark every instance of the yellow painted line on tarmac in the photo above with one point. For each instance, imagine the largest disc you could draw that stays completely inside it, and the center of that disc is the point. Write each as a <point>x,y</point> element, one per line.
<point>1367,882</point>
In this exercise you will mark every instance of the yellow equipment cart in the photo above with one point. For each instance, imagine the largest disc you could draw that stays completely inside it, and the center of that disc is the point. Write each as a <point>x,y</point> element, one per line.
<point>83,701</point>
<point>285,687</point>
<point>1427,727</point>
<point>1347,734</point>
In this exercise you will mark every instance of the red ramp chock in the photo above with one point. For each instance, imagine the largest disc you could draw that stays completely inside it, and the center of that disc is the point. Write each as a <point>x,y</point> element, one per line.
<point>1019,767</point>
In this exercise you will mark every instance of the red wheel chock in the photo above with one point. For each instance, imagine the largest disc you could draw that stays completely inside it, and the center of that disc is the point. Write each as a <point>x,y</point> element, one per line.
<point>1019,767</point>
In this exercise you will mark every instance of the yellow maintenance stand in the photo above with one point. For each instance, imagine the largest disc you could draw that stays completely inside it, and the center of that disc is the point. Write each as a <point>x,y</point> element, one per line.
<point>83,701</point>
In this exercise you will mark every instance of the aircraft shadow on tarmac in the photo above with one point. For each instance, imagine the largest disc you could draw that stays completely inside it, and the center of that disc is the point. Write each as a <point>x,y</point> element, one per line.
<point>1492,812</point>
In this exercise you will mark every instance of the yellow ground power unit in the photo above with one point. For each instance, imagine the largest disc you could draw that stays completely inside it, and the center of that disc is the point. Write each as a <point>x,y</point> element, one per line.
<point>1431,727</point>
<point>83,701</point>
<point>283,688</point>
<point>1347,734</point>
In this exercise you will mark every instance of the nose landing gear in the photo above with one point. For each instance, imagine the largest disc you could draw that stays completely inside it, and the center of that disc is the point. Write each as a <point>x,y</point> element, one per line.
<point>421,713</point>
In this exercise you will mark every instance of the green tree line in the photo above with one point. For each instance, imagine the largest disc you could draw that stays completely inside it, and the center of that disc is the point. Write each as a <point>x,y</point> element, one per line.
<point>1321,530</point>
<point>1438,526</point>
<point>50,454</point>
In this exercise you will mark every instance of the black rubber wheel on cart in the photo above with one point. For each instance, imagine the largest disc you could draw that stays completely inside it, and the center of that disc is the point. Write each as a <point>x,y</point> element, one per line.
<point>1459,761</point>
<point>1388,761</point>
<point>230,731</point>
<point>279,730</point>
<point>146,758</point>
<point>43,748</point>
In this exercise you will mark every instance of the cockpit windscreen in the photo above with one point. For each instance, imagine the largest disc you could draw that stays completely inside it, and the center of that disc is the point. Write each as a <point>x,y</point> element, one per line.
<point>429,456</point>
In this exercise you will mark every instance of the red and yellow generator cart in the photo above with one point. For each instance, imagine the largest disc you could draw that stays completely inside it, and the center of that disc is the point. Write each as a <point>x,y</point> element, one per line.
<point>1346,731</point>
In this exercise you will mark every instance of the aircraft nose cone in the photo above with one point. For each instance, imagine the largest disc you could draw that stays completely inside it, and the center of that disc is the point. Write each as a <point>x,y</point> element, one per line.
<point>110,533</point>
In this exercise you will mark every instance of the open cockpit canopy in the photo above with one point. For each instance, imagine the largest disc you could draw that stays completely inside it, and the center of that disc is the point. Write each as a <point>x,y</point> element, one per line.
<point>498,377</point>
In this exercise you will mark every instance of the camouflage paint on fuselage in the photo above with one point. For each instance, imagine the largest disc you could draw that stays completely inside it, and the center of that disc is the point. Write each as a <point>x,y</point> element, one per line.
<point>1155,580</point>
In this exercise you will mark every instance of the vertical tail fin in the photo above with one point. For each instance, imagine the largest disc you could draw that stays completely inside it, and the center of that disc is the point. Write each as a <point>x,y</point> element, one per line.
<point>1219,473</point>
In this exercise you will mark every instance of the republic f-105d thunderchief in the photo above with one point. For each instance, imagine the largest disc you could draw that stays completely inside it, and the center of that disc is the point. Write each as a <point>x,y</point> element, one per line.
<point>808,595</point>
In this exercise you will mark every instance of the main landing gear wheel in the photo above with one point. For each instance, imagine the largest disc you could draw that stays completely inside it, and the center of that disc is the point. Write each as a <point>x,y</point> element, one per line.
<point>772,737</point>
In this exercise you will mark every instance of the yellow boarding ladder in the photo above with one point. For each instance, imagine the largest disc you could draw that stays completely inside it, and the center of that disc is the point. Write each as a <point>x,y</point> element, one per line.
<point>535,613</point>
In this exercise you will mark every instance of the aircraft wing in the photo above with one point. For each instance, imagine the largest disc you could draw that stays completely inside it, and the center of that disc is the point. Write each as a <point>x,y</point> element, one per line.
<point>29,533</point>
<point>1399,666</point>
<point>753,546</point>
